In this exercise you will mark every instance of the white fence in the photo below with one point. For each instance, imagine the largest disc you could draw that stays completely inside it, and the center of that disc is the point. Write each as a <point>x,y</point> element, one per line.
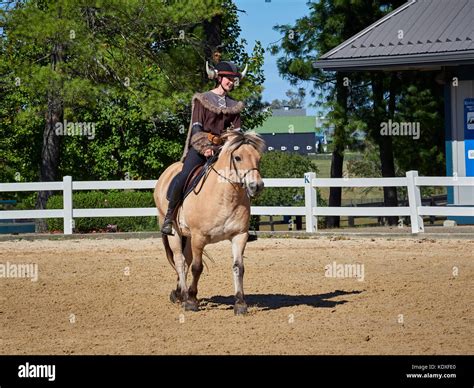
<point>311,210</point>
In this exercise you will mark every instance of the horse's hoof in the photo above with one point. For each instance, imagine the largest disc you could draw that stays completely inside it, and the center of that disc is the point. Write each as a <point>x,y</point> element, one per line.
<point>240,309</point>
<point>174,297</point>
<point>190,305</point>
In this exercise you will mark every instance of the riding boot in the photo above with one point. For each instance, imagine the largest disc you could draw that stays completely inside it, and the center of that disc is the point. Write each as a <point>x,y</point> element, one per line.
<point>167,227</point>
<point>174,198</point>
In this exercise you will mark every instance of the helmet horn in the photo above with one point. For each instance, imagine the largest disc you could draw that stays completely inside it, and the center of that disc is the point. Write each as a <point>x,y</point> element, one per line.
<point>244,72</point>
<point>211,73</point>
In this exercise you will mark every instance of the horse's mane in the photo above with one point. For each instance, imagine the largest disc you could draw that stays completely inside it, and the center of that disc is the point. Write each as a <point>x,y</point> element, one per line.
<point>234,139</point>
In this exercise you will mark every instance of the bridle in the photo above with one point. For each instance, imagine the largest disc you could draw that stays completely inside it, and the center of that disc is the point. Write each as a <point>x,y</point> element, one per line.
<point>241,179</point>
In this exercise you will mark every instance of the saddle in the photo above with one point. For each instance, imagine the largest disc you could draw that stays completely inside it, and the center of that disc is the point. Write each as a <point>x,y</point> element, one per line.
<point>192,180</point>
<point>195,176</point>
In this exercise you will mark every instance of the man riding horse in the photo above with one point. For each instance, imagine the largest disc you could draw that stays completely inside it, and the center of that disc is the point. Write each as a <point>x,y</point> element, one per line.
<point>213,113</point>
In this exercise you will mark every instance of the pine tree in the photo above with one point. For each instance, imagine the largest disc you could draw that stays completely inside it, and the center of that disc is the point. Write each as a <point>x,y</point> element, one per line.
<point>125,70</point>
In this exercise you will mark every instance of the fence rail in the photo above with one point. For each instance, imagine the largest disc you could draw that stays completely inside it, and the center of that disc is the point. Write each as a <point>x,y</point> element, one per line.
<point>311,210</point>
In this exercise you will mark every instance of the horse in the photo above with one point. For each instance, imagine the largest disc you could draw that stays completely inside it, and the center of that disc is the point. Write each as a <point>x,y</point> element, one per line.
<point>217,209</point>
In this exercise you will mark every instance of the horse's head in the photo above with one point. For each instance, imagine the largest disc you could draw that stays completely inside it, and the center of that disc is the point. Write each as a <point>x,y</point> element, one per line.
<point>240,158</point>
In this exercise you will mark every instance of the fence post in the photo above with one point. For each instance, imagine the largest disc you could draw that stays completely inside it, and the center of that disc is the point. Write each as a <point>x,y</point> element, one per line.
<point>414,201</point>
<point>310,200</point>
<point>67,204</point>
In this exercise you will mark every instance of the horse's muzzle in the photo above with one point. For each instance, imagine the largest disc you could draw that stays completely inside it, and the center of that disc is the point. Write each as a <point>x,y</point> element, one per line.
<point>254,188</point>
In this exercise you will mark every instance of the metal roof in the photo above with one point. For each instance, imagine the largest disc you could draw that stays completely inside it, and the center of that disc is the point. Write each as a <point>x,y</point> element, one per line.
<point>289,112</point>
<point>435,33</point>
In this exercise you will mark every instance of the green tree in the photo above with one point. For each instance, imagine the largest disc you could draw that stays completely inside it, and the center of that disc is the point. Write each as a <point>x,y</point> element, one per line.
<point>370,98</point>
<point>129,68</point>
<point>295,100</point>
<point>421,103</point>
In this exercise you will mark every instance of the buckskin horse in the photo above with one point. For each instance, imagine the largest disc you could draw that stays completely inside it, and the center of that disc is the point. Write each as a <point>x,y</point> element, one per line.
<point>217,209</point>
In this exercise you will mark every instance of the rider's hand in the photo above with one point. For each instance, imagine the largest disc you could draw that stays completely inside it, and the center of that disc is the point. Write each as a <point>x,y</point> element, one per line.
<point>209,152</point>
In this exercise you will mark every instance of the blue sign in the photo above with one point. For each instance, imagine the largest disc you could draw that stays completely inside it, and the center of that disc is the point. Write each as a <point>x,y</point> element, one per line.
<point>469,135</point>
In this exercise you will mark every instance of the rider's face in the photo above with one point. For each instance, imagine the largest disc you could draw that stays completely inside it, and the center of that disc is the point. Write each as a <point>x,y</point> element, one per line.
<point>227,84</point>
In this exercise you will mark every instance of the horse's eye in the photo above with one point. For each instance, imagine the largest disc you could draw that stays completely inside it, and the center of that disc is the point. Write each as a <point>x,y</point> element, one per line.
<point>237,158</point>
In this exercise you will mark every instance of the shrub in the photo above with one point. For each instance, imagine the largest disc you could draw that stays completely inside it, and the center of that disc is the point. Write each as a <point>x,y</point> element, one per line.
<point>109,199</point>
<point>277,164</point>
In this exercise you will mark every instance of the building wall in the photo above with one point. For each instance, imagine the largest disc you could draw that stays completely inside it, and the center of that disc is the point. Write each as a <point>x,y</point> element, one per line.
<point>459,142</point>
<point>301,143</point>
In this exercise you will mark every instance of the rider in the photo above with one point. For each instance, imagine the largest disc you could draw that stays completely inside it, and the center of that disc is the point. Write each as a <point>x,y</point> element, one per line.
<point>212,113</point>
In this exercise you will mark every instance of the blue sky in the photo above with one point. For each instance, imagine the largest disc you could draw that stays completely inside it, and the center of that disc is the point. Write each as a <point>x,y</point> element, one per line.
<point>257,24</point>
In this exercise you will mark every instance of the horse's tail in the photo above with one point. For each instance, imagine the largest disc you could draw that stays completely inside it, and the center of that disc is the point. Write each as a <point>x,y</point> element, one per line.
<point>208,256</point>
<point>169,252</point>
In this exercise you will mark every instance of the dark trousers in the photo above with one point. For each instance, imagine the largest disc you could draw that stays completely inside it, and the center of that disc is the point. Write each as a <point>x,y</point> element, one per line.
<point>175,190</point>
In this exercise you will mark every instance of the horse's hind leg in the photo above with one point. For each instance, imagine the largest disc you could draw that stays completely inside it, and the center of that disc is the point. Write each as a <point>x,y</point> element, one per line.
<point>238,247</point>
<point>181,293</point>
<point>175,295</point>
<point>197,246</point>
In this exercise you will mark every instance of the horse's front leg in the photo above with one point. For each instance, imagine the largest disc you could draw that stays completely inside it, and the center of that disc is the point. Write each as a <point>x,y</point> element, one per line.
<point>238,247</point>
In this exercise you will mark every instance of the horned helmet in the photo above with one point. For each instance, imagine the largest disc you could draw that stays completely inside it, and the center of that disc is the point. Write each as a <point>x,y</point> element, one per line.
<point>226,69</point>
